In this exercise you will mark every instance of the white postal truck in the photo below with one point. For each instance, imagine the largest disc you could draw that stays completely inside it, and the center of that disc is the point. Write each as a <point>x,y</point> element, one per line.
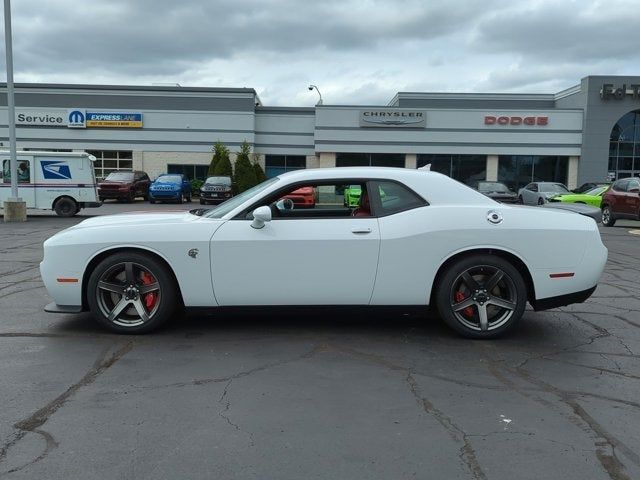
<point>62,182</point>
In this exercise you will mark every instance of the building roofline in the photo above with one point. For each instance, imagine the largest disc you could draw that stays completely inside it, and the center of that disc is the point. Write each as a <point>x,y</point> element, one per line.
<point>144,88</point>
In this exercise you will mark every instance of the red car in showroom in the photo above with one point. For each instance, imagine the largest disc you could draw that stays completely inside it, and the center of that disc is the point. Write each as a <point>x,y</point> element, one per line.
<point>622,200</point>
<point>304,197</point>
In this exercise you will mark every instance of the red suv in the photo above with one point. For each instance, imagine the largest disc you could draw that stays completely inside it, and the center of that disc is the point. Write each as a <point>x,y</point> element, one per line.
<point>124,185</point>
<point>622,200</point>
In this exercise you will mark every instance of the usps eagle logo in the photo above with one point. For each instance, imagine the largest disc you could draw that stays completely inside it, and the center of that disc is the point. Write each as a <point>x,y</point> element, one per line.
<point>55,170</point>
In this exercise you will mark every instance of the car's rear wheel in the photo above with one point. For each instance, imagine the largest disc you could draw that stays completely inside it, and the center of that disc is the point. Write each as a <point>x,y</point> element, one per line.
<point>131,292</point>
<point>66,207</point>
<point>481,296</point>
<point>540,201</point>
<point>608,220</point>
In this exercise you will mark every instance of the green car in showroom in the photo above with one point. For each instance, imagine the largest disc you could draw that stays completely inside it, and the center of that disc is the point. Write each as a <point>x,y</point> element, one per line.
<point>591,197</point>
<point>352,196</point>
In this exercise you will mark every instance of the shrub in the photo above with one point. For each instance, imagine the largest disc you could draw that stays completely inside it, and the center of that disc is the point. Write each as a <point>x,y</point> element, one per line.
<point>195,187</point>
<point>245,175</point>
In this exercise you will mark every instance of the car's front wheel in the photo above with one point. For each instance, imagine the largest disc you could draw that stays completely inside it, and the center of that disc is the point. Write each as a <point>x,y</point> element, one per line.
<point>540,201</point>
<point>131,292</point>
<point>608,220</point>
<point>481,296</point>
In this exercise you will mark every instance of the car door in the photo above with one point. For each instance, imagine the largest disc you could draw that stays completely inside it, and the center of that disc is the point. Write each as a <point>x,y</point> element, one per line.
<point>632,198</point>
<point>530,194</point>
<point>302,260</point>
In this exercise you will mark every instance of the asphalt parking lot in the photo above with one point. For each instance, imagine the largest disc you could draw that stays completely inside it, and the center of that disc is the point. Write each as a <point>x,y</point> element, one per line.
<point>317,394</point>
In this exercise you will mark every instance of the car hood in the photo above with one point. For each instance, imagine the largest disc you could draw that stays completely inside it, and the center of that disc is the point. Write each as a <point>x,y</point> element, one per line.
<point>138,219</point>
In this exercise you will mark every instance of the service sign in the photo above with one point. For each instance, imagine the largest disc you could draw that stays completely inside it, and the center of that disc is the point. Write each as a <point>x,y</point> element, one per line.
<point>114,120</point>
<point>49,118</point>
<point>393,117</point>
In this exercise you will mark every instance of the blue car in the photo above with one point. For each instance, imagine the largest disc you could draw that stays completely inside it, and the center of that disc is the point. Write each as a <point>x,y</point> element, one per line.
<point>173,187</point>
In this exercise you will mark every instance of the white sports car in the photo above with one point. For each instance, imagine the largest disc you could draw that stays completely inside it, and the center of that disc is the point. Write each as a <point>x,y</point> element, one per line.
<point>416,238</point>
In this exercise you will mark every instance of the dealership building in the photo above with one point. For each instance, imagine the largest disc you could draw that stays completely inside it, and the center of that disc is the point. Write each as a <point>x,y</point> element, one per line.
<point>589,132</point>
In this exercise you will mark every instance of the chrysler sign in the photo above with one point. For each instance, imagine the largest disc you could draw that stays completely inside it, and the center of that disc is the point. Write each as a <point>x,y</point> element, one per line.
<point>393,117</point>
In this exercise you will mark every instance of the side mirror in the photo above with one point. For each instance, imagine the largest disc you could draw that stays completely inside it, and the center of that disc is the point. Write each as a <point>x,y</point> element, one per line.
<point>261,215</point>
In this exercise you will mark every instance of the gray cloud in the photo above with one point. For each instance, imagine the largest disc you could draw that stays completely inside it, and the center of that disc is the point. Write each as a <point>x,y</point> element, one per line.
<point>358,51</point>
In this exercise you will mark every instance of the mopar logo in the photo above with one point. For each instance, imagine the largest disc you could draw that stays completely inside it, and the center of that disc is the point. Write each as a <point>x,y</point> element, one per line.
<point>55,170</point>
<point>76,118</point>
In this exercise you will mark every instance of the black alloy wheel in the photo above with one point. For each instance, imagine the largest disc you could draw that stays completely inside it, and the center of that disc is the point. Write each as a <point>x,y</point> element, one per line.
<point>131,292</point>
<point>481,296</point>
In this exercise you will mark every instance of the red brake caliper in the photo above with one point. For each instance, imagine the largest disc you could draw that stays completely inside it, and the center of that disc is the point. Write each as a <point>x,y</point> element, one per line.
<point>151,297</point>
<point>468,311</point>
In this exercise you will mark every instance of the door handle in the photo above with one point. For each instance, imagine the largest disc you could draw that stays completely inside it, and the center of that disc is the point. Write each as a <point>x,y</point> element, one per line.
<point>360,230</point>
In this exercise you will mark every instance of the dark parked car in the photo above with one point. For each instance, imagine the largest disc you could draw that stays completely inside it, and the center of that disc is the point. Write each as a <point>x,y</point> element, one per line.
<point>124,185</point>
<point>622,200</point>
<point>497,191</point>
<point>173,187</point>
<point>216,190</point>
<point>587,186</point>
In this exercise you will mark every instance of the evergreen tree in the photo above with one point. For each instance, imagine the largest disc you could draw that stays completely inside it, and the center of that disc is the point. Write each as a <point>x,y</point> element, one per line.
<point>220,151</point>
<point>245,173</point>
<point>260,175</point>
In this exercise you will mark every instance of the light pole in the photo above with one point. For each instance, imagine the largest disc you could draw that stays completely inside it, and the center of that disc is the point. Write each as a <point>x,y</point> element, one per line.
<point>15,210</point>
<point>311,87</point>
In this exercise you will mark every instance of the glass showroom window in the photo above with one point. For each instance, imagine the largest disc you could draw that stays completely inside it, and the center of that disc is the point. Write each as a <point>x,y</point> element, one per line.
<point>370,160</point>
<point>624,146</point>
<point>278,164</point>
<point>516,171</point>
<point>190,171</point>
<point>468,169</point>
<point>108,161</point>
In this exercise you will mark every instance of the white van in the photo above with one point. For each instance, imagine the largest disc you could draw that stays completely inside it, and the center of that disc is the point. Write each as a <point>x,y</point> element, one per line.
<point>62,182</point>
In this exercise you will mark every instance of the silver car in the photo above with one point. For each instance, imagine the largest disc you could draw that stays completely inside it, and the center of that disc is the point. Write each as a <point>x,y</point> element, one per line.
<point>539,193</point>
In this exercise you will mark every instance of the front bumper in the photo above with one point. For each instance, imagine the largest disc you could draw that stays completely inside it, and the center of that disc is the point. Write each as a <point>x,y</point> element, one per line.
<point>53,307</point>
<point>562,300</point>
<point>167,195</point>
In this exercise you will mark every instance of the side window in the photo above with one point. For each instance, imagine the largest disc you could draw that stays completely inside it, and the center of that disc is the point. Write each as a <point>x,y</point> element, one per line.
<point>620,186</point>
<point>633,185</point>
<point>322,199</point>
<point>24,171</point>
<point>394,197</point>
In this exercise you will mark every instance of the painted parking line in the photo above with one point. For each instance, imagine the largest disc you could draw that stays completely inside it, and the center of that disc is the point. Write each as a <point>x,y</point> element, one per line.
<point>634,232</point>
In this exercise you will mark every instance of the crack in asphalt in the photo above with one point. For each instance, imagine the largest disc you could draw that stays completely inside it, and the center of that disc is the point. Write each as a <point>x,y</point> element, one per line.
<point>32,424</point>
<point>227,406</point>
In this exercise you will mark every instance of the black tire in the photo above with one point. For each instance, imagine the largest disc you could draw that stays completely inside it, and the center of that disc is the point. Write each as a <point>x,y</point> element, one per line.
<point>608,220</point>
<point>180,199</point>
<point>189,199</point>
<point>66,207</point>
<point>520,200</point>
<point>202,202</point>
<point>120,271</point>
<point>130,198</point>
<point>474,280</point>
<point>152,201</point>
<point>540,201</point>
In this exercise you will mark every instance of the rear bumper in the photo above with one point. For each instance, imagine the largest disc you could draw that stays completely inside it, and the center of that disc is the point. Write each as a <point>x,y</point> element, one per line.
<point>562,300</point>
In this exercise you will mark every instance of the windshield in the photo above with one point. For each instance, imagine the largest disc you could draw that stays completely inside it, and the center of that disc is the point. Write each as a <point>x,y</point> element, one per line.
<point>596,191</point>
<point>169,179</point>
<point>234,202</point>
<point>493,187</point>
<point>219,180</point>
<point>120,176</point>
<point>553,187</point>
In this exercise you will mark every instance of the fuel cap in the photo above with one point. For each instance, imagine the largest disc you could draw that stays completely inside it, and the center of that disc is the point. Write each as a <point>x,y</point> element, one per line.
<point>494,217</point>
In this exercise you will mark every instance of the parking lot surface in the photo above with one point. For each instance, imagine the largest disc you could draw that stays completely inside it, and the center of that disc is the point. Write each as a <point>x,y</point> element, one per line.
<point>317,394</point>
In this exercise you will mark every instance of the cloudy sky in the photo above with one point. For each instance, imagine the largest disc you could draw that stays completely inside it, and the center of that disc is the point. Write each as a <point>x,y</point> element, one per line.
<point>356,51</point>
